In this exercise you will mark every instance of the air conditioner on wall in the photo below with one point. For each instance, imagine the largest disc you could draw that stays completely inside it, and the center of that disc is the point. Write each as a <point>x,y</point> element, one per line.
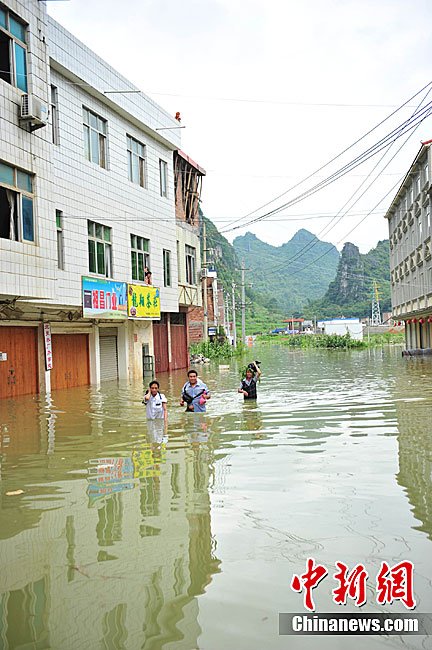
<point>203,273</point>
<point>33,112</point>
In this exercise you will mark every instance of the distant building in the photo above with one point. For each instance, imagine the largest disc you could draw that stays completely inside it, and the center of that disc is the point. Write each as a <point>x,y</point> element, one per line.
<point>215,310</point>
<point>342,326</point>
<point>409,220</point>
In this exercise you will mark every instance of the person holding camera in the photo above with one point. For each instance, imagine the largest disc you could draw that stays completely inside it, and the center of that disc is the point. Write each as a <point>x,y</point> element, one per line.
<point>248,386</point>
<point>194,394</point>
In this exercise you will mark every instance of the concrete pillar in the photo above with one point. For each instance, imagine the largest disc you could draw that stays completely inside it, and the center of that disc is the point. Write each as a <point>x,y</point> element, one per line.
<point>123,351</point>
<point>94,355</point>
<point>44,376</point>
<point>168,316</point>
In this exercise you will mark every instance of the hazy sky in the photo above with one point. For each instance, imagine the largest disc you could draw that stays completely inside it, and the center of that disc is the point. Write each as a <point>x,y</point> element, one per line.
<point>269,91</point>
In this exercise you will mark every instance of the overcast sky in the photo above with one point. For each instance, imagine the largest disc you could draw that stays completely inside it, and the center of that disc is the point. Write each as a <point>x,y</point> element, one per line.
<point>269,91</point>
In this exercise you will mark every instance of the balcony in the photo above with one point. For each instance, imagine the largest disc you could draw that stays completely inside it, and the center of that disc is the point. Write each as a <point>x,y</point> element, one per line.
<point>190,295</point>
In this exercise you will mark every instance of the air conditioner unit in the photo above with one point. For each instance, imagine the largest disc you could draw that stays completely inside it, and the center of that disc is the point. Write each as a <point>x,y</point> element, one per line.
<point>34,112</point>
<point>203,273</point>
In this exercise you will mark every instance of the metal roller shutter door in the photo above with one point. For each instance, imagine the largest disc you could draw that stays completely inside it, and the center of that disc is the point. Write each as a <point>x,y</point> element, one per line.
<point>108,357</point>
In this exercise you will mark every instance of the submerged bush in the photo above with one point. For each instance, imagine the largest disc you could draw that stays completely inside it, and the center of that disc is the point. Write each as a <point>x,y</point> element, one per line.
<point>329,341</point>
<point>216,349</point>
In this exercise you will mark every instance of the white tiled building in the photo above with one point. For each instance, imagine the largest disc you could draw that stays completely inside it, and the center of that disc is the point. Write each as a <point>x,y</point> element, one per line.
<point>409,219</point>
<point>91,193</point>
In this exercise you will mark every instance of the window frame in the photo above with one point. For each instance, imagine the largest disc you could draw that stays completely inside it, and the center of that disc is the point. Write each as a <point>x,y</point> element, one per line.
<point>89,131</point>
<point>100,243</point>
<point>190,263</point>
<point>163,177</point>
<point>166,258</point>
<point>60,240</point>
<point>55,134</point>
<point>15,41</point>
<point>141,158</point>
<point>137,253</point>
<point>21,194</point>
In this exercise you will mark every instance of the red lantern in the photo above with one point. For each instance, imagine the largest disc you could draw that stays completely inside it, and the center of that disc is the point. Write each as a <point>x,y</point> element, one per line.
<point>408,321</point>
<point>414,320</point>
<point>399,323</point>
<point>430,319</point>
<point>421,321</point>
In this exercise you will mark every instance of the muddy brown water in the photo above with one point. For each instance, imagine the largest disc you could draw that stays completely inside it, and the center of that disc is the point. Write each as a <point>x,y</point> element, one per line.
<point>129,536</point>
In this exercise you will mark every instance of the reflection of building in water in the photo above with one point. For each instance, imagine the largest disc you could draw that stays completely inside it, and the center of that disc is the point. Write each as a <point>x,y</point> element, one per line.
<point>122,570</point>
<point>415,458</point>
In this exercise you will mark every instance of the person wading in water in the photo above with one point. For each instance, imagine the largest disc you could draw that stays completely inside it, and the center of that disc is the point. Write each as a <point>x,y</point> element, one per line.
<point>248,386</point>
<point>194,393</point>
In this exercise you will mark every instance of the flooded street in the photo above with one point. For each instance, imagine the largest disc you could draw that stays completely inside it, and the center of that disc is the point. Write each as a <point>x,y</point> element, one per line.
<point>125,537</point>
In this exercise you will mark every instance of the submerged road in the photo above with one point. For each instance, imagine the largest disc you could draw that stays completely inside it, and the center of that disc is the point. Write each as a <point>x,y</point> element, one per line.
<point>117,534</point>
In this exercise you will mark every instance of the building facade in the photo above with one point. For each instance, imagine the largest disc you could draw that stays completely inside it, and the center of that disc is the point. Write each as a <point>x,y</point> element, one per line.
<point>188,177</point>
<point>409,220</point>
<point>87,207</point>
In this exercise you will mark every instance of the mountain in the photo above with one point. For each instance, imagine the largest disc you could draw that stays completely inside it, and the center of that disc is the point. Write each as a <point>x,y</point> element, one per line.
<point>262,313</point>
<point>350,293</point>
<point>290,275</point>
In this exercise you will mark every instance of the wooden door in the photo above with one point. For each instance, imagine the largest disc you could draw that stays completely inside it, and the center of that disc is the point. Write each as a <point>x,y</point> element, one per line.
<point>70,361</point>
<point>19,373</point>
<point>179,352</point>
<point>160,342</point>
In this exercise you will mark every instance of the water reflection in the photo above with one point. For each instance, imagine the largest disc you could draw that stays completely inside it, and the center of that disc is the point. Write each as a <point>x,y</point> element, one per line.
<point>112,533</point>
<point>414,416</point>
<point>128,535</point>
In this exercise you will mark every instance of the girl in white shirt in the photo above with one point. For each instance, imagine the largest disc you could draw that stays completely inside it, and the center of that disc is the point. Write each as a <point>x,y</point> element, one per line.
<point>156,403</point>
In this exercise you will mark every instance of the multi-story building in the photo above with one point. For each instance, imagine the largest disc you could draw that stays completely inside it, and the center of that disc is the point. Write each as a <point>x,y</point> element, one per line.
<point>188,177</point>
<point>409,219</point>
<point>87,205</point>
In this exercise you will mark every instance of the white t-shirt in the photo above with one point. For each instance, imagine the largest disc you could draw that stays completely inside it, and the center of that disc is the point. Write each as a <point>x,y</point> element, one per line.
<point>154,408</point>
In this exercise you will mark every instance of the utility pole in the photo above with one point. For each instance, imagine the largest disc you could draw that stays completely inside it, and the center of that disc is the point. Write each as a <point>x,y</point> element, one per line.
<point>234,316</point>
<point>204,281</point>
<point>227,317</point>
<point>243,303</point>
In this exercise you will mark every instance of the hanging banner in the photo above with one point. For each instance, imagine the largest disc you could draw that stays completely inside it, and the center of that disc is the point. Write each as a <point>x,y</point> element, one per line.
<point>143,301</point>
<point>103,298</point>
<point>48,346</point>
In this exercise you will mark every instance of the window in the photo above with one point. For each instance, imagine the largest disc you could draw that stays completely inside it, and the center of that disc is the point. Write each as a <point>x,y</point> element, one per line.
<point>425,173</point>
<point>136,153</point>
<point>13,50</point>
<point>179,272</point>
<point>99,249</point>
<point>417,182</point>
<point>95,132</point>
<point>16,204</point>
<point>411,194</point>
<point>60,243</point>
<point>140,257</point>
<point>163,173</point>
<point>54,116</point>
<point>190,264</point>
<point>167,268</point>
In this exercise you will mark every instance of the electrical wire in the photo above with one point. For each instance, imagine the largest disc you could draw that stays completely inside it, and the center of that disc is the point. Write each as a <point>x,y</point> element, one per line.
<point>402,129</point>
<point>324,231</point>
<point>316,171</point>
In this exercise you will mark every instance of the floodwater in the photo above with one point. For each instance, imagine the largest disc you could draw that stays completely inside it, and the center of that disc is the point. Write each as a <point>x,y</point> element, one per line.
<point>126,536</point>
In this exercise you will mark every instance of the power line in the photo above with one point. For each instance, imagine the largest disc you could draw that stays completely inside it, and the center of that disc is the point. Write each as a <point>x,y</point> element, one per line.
<point>329,227</point>
<point>407,126</point>
<point>316,171</point>
<point>346,235</point>
<point>272,101</point>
